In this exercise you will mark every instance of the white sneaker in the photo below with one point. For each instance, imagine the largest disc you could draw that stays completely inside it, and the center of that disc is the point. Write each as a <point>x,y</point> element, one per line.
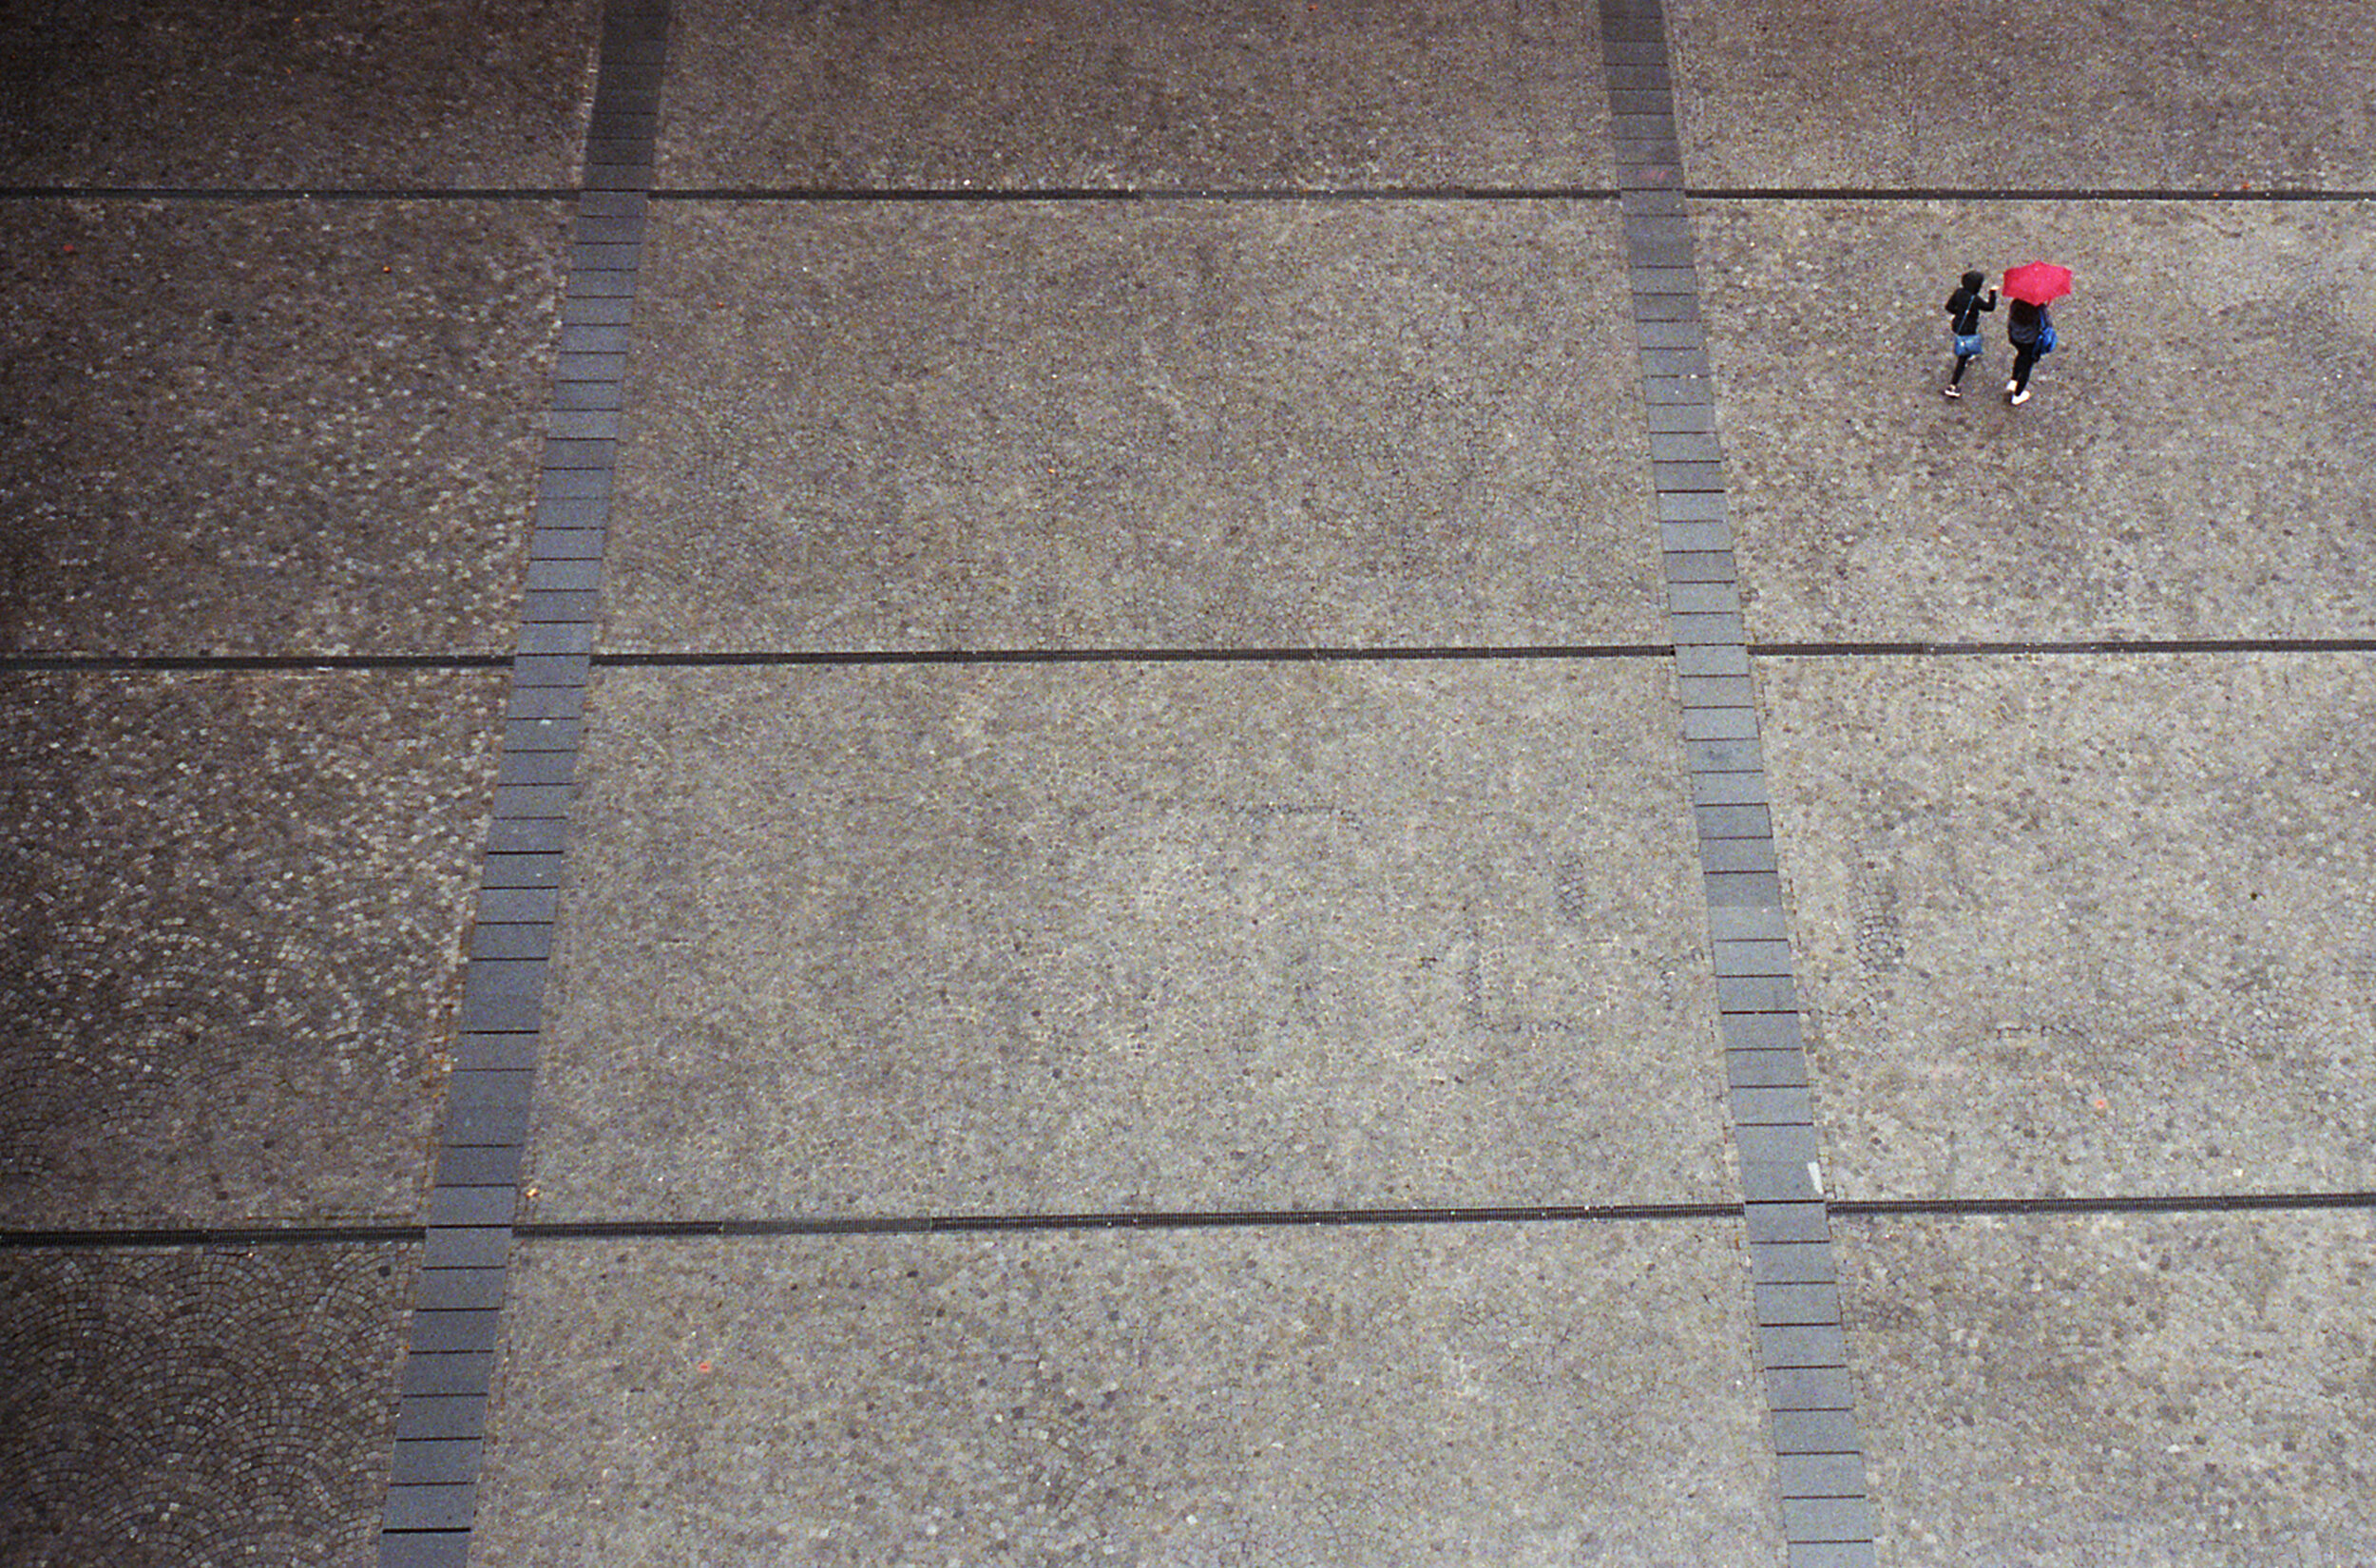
<point>2020,398</point>
<point>1952,390</point>
<point>2012,386</point>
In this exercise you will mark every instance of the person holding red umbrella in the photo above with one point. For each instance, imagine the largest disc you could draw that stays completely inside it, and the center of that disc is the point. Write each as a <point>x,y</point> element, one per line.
<point>2028,324</point>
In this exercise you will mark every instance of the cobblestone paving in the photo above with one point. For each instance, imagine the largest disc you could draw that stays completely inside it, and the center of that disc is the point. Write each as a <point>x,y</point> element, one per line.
<point>225,1406</point>
<point>230,966</point>
<point>447,94</point>
<point>269,427</point>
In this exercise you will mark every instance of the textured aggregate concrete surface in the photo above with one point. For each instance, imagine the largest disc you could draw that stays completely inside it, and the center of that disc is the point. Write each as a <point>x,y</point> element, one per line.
<point>435,94</point>
<point>870,936</point>
<point>1263,424</point>
<point>2178,95</point>
<point>233,947</point>
<point>1531,1395</point>
<point>1156,937</point>
<point>198,1406</point>
<point>270,428</point>
<point>2076,1390</point>
<point>2085,925</point>
<point>2191,461</point>
<point>1145,94</point>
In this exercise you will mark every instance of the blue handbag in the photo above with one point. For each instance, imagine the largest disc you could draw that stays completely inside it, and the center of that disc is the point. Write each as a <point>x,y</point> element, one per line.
<point>1967,344</point>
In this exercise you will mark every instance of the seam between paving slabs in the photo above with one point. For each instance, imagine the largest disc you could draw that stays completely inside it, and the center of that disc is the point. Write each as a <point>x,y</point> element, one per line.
<point>1827,1510</point>
<point>433,1492</point>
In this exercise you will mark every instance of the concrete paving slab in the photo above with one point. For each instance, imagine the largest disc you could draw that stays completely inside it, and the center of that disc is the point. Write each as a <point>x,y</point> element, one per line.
<point>198,1409</point>
<point>1072,93</point>
<point>2084,925</point>
<point>2128,94</point>
<point>1347,1398</point>
<point>238,904</point>
<point>1084,938</point>
<point>2183,1389</point>
<point>1241,424</point>
<point>371,94</point>
<point>2191,463</point>
<point>271,426</point>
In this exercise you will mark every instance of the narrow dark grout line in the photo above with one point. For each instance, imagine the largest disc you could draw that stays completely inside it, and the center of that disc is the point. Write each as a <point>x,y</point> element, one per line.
<point>162,1237</point>
<point>2109,646</point>
<point>1478,193</point>
<point>150,1237</point>
<point>1125,656</point>
<point>1107,194</point>
<point>228,664</point>
<point>2195,1203</point>
<point>2004,193</point>
<point>54,663</point>
<point>1124,1220</point>
<point>291,193</point>
<point>229,194</point>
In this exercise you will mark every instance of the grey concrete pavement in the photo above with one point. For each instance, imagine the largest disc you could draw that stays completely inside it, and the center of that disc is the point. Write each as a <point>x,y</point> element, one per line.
<point>1181,937</point>
<point>1224,424</point>
<point>1070,94</point>
<point>2203,95</point>
<point>855,940</point>
<point>2188,1389</point>
<point>2082,924</point>
<point>2190,464</point>
<point>1521,1394</point>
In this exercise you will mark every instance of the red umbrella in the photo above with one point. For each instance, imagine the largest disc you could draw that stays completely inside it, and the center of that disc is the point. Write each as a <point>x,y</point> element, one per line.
<point>2036,283</point>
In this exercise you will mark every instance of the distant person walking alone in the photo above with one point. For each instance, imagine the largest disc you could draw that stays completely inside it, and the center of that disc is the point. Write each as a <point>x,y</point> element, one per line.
<point>1963,308</point>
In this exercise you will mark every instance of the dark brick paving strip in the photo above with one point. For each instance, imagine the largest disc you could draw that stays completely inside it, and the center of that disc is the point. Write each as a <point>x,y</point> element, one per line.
<point>466,1252</point>
<point>1827,1511</point>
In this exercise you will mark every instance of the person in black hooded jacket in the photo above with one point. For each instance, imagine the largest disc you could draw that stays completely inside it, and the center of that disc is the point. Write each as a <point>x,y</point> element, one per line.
<point>1963,308</point>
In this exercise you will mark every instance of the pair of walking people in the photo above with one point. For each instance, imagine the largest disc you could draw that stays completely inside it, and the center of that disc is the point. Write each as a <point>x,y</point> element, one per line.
<point>2028,326</point>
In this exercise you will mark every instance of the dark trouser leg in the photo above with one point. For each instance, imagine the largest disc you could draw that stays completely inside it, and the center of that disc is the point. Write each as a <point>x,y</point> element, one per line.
<point>2025,356</point>
<point>1961,360</point>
